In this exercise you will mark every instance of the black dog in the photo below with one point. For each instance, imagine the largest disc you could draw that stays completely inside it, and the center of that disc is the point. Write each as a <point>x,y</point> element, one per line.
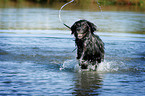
<point>90,48</point>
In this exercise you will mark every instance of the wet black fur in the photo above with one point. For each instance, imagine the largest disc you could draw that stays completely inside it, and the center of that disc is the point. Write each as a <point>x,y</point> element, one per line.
<point>90,48</point>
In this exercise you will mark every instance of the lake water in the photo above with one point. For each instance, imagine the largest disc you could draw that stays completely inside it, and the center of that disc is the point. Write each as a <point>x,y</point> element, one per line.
<point>36,55</point>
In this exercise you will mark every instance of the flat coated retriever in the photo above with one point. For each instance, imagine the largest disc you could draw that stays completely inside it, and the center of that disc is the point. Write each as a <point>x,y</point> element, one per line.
<point>90,48</point>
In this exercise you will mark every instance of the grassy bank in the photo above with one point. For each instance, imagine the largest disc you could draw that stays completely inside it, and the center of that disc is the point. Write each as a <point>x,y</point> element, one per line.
<point>91,5</point>
<point>104,2</point>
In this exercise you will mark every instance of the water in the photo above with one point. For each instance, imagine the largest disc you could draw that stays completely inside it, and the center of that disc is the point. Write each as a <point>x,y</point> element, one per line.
<point>36,55</point>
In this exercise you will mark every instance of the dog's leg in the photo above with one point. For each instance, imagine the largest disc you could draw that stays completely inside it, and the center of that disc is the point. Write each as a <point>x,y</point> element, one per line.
<point>83,63</point>
<point>96,65</point>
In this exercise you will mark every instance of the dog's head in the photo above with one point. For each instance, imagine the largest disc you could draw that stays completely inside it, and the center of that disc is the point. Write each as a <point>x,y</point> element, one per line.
<point>82,27</point>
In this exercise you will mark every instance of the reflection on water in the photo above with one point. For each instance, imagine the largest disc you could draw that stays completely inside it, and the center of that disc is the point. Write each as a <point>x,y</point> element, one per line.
<point>36,55</point>
<point>87,83</point>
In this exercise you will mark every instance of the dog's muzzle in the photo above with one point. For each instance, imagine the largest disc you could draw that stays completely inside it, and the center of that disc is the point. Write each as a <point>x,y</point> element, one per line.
<point>80,36</point>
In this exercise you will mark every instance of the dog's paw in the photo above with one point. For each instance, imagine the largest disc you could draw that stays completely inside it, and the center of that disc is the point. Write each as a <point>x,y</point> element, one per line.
<point>84,66</point>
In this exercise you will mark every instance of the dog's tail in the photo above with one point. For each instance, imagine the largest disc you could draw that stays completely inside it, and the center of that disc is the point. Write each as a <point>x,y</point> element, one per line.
<point>60,14</point>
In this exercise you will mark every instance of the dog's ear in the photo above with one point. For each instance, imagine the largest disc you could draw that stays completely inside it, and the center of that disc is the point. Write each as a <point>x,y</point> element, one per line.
<point>92,26</point>
<point>73,28</point>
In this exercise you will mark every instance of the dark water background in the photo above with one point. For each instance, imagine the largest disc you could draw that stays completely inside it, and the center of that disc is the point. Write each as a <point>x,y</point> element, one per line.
<point>36,55</point>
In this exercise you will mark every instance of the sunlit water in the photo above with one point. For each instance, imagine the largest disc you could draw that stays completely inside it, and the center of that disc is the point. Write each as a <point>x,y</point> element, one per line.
<point>36,55</point>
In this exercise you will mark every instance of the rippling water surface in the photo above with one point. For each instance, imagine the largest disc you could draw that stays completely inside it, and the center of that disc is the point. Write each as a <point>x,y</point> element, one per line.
<point>36,55</point>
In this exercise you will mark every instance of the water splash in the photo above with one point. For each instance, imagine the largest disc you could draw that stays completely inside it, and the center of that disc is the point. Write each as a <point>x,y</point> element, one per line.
<point>100,8</point>
<point>60,14</point>
<point>73,65</point>
<point>104,67</point>
<point>111,66</point>
<point>102,15</point>
<point>70,65</point>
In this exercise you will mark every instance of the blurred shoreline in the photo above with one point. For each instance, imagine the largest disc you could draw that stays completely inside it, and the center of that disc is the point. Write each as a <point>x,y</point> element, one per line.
<point>88,5</point>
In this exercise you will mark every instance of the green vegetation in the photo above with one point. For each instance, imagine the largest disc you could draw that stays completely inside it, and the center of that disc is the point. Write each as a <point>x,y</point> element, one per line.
<point>104,2</point>
<point>137,5</point>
